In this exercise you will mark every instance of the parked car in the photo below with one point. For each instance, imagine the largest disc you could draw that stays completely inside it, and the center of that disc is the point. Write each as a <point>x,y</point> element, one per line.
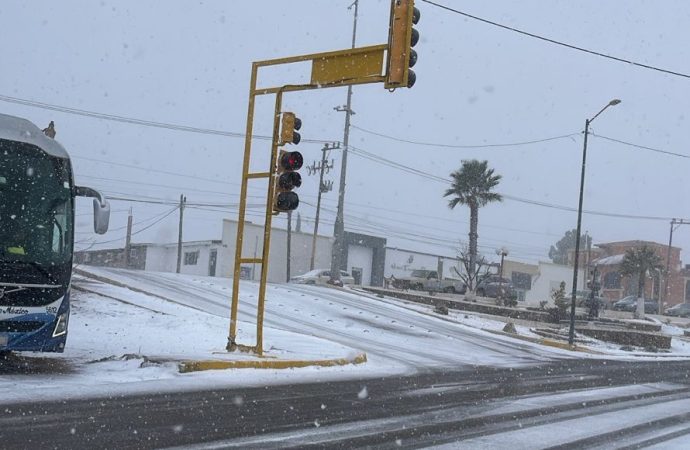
<point>629,304</point>
<point>680,310</point>
<point>428,280</point>
<point>495,287</point>
<point>321,276</point>
<point>582,300</point>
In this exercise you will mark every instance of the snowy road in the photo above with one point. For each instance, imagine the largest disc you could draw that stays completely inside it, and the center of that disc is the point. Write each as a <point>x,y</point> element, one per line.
<point>391,334</point>
<point>430,381</point>
<point>564,404</point>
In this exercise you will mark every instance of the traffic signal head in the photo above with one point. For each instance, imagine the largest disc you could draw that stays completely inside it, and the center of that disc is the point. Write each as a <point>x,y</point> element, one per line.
<point>288,129</point>
<point>402,36</point>
<point>287,179</point>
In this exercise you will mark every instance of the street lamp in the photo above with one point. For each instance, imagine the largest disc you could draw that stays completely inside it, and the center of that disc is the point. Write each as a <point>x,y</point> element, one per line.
<point>571,333</point>
<point>503,252</point>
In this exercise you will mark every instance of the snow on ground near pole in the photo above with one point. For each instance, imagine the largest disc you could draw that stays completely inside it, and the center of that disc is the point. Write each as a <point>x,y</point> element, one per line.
<point>390,333</point>
<point>129,338</point>
<point>125,348</point>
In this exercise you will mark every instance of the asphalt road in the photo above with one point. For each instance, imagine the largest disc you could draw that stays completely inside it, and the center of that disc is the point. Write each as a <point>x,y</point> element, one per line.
<point>558,404</point>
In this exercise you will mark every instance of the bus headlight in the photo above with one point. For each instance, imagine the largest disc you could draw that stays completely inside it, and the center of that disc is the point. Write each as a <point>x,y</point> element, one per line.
<point>61,325</point>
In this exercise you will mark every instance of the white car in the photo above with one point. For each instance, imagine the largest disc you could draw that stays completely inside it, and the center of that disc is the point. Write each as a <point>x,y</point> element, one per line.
<point>321,276</point>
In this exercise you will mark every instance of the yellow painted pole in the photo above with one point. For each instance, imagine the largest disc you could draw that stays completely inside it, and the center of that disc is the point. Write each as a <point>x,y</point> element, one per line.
<point>232,344</point>
<point>267,227</point>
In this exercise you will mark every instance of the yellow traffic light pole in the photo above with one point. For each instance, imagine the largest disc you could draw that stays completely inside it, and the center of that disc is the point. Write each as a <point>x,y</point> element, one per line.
<point>363,65</point>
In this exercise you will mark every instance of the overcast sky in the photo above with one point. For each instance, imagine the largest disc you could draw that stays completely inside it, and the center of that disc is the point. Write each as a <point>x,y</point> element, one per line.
<point>188,63</point>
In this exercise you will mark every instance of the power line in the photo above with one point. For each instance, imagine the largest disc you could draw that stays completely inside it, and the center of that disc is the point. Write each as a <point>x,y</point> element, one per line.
<point>135,121</point>
<point>158,185</point>
<point>396,165</point>
<point>563,44</point>
<point>155,201</point>
<point>436,144</point>
<point>381,160</point>
<point>139,222</point>
<point>378,226</point>
<point>163,216</point>
<point>651,149</point>
<point>356,205</point>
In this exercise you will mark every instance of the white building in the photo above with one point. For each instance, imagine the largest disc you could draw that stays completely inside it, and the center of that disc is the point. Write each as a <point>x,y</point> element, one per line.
<point>198,257</point>
<point>364,255</point>
<point>548,279</point>
<point>252,247</point>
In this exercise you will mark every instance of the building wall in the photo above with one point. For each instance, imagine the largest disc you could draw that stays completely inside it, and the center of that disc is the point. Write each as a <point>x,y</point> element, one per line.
<point>370,256</point>
<point>252,246</point>
<point>654,285</point>
<point>161,258</point>
<point>361,257</point>
<point>521,274</point>
<point>202,263</point>
<point>548,278</point>
<point>113,257</point>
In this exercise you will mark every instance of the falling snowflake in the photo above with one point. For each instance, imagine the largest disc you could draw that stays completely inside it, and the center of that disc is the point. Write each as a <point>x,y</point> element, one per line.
<point>364,393</point>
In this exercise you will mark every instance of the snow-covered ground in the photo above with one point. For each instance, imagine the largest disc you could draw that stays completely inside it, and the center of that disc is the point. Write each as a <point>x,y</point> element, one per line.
<point>130,336</point>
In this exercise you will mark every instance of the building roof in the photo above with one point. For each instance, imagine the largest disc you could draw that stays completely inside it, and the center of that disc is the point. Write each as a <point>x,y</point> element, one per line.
<point>21,130</point>
<point>609,260</point>
<point>633,243</point>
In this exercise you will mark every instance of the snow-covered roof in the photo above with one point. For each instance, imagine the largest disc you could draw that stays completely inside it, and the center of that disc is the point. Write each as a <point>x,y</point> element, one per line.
<point>21,130</point>
<point>610,260</point>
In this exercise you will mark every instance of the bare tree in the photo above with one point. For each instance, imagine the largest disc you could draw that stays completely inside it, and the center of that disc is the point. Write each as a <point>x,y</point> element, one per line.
<point>463,269</point>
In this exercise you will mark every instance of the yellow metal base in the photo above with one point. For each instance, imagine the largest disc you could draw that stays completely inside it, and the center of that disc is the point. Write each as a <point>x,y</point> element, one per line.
<point>196,366</point>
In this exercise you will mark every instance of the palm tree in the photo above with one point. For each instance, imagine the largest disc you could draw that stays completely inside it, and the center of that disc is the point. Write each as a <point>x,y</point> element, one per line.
<point>472,186</point>
<point>640,261</point>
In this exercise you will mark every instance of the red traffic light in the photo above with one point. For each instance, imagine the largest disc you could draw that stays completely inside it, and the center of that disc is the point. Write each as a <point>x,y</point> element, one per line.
<point>290,161</point>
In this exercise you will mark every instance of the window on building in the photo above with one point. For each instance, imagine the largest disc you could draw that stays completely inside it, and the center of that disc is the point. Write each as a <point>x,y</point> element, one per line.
<point>612,280</point>
<point>191,258</point>
<point>522,280</point>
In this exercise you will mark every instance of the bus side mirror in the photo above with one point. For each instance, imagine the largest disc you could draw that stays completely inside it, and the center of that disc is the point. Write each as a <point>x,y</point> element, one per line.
<point>101,208</point>
<point>101,216</point>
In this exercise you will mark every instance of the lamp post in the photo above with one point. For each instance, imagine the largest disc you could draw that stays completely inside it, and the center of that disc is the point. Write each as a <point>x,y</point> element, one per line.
<point>503,252</point>
<point>571,333</point>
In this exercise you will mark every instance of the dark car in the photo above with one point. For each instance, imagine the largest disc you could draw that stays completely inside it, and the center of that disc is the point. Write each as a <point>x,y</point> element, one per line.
<point>582,300</point>
<point>495,287</point>
<point>629,304</point>
<point>680,310</point>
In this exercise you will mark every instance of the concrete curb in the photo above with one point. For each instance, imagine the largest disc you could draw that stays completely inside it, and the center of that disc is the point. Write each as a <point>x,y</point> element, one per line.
<point>547,342</point>
<point>196,366</point>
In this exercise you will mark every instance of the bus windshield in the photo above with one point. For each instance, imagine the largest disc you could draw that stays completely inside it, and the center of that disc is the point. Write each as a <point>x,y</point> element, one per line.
<point>35,211</point>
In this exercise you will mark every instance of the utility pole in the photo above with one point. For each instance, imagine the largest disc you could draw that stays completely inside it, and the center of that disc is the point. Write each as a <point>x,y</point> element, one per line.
<point>183,200</point>
<point>128,240</point>
<point>323,188</point>
<point>667,278</point>
<point>339,229</point>
<point>289,239</point>
<point>573,297</point>
<point>588,243</point>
